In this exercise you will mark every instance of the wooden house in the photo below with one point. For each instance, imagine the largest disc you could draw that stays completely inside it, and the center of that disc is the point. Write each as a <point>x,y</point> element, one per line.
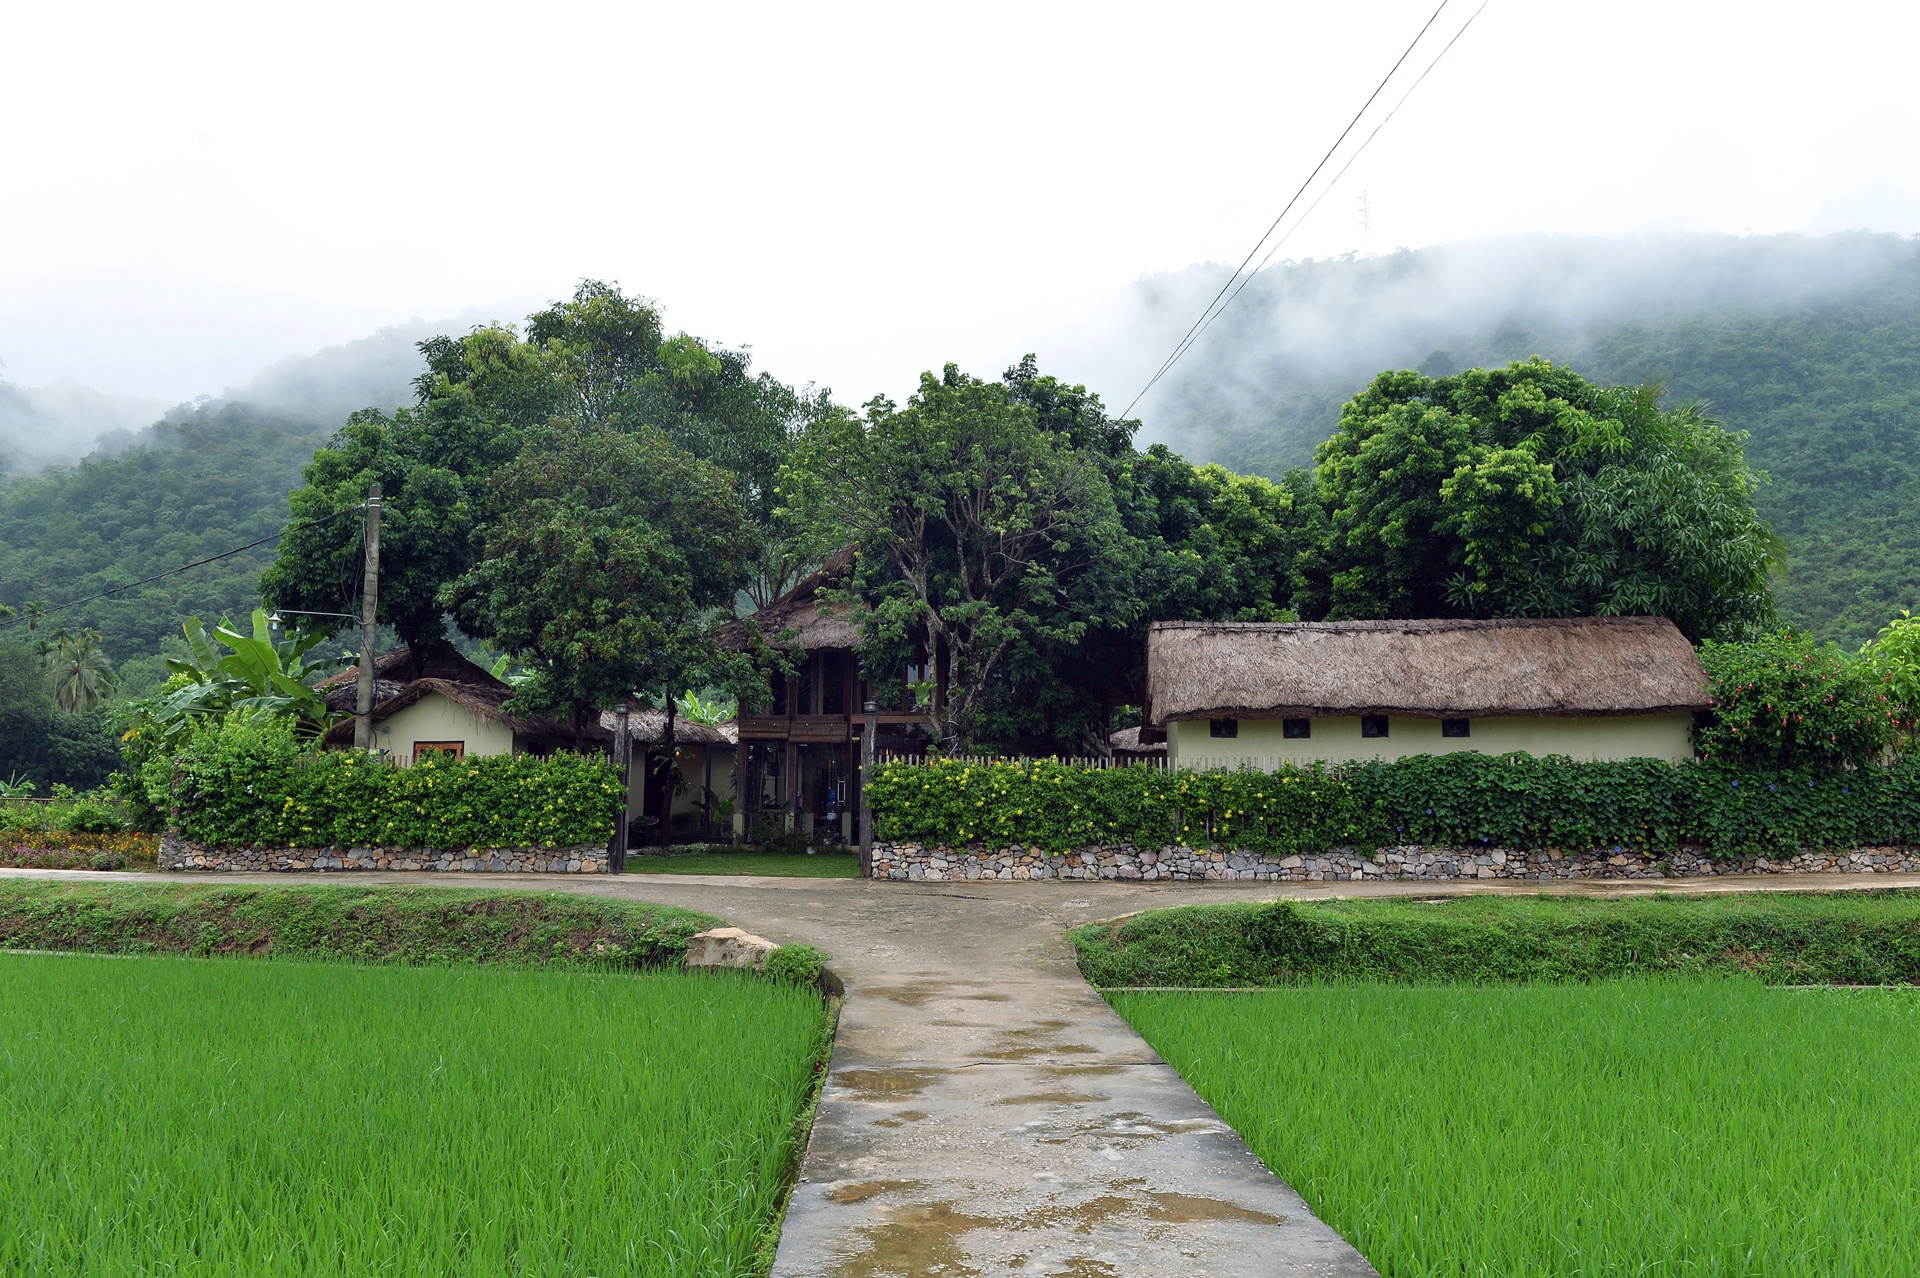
<point>799,755</point>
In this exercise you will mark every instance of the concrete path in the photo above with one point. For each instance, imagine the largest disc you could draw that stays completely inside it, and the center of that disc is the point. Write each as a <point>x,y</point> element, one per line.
<point>985,1111</point>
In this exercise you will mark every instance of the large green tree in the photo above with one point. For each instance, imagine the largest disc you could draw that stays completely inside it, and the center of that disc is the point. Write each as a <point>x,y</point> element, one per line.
<point>608,559</point>
<point>599,357</point>
<point>1530,491</point>
<point>983,537</point>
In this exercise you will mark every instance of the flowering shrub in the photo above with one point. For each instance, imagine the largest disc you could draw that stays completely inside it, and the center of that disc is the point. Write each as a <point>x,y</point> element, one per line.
<point>249,782</point>
<point>1784,701</point>
<point>1455,800</point>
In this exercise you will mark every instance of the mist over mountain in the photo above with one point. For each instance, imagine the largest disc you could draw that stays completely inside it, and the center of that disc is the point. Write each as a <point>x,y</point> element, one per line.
<point>45,425</point>
<point>1812,345</point>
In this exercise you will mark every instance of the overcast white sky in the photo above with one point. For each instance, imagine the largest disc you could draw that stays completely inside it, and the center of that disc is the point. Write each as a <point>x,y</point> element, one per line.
<point>189,192</point>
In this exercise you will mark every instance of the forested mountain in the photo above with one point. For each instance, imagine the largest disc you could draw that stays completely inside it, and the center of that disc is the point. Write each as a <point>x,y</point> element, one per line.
<point>198,483</point>
<point>1811,346</point>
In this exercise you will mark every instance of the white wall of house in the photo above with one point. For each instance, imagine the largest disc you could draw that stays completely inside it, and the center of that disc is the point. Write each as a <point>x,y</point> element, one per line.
<point>1336,738</point>
<point>435,718</point>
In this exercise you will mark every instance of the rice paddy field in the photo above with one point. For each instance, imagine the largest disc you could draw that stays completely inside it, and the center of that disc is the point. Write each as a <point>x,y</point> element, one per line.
<point>1663,1126</point>
<point>180,1116</point>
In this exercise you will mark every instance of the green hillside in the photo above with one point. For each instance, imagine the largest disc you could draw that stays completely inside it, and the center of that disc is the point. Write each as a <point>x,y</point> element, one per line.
<point>194,485</point>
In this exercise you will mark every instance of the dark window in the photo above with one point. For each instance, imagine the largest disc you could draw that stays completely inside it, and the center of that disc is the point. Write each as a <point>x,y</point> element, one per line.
<point>1373,725</point>
<point>1223,727</point>
<point>777,683</point>
<point>1296,729</point>
<point>833,683</point>
<point>809,682</point>
<point>1456,727</point>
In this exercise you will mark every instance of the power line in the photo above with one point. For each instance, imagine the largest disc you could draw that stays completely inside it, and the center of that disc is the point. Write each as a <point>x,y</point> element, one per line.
<point>225,554</point>
<point>1358,152</point>
<point>1206,315</point>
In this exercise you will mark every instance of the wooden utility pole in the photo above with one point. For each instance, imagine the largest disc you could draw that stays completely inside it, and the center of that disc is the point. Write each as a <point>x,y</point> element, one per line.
<point>868,729</point>
<point>623,761</point>
<point>369,609</point>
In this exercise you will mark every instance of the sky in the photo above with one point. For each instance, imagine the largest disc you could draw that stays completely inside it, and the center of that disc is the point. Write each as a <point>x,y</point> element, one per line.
<point>189,193</point>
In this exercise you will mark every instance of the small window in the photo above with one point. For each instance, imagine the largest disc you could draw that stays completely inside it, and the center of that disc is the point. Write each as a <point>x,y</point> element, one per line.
<point>1373,725</point>
<point>452,749</point>
<point>1223,727</point>
<point>1296,729</point>
<point>1456,727</point>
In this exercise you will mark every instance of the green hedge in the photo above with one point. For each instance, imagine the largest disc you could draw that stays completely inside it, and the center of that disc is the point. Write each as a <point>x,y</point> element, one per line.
<point>1848,938</point>
<point>430,925</point>
<point>250,783</point>
<point>1453,800</point>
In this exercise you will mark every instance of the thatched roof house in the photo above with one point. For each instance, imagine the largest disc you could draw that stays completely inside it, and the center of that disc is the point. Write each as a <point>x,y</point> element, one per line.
<point>815,623</point>
<point>443,703</point>
<point>1542,685</point>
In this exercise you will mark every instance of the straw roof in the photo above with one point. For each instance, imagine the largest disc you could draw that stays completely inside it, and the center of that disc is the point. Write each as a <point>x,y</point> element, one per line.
<point>1567,666</point>
<point>649,727</point>
<point>817,623</point>
<point>396,668</point>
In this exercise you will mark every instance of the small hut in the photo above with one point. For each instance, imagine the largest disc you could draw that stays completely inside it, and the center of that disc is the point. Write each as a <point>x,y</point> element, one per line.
<point>1590,687</point>
<point>700,776</point>
<point>441,703</point>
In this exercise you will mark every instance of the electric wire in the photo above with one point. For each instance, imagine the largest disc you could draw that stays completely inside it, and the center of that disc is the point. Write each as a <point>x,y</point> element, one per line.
<point>1207,313</point>
<point>37,617</point>
<point>1328,188</point>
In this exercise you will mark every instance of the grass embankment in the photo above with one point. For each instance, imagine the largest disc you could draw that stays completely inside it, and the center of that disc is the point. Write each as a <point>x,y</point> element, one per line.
<point>1849,938</point>
<point>1662,1126</point>
<point>166,1115</point>
<point>362,924</point>
<point>727,860</point>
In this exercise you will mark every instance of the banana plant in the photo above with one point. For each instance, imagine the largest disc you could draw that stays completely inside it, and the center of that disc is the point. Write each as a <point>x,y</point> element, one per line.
<point>255,674</point>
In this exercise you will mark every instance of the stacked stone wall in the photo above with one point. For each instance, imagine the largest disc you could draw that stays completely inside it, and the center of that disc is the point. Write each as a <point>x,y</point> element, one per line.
<point>915,862</point>
<point>584,858</point>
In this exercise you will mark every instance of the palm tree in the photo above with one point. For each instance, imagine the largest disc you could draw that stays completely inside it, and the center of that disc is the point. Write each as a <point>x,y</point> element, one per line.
<point>82,675</point>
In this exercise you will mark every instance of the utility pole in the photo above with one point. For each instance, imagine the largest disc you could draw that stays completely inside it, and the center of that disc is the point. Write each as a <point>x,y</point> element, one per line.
<point>623,761</point>
<point>369,609</point>
<point>868,730</point>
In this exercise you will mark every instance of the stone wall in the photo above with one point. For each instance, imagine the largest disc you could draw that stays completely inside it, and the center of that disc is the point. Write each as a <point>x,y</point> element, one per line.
<point>583,858</point>
<point>913,861</point>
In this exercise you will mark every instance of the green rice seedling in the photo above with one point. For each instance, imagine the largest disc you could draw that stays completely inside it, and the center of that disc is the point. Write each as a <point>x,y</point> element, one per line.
<point>222,1117</point>
<point>1643,1127</point>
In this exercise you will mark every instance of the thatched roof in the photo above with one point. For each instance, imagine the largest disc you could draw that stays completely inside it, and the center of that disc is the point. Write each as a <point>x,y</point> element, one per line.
<point>817,623</point>
<point>486,700</point>
<point>395,668</point>
<point>1569,666</point>
<point>649,727</point>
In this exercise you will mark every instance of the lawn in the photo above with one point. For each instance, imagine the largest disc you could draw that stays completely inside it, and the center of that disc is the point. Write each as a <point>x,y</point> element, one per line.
<point>719,860</point>
<point>1646,1126</point>
<point>229,1117</point>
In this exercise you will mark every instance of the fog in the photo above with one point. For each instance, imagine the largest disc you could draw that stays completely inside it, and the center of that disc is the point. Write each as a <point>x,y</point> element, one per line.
<point>1265,382</point>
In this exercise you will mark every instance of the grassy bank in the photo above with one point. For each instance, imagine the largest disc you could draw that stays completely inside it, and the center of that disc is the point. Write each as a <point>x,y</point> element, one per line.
<point>168,1115</point>
<point>1662,1126</point>
<point>1847,937</point>
<point>362,924</point>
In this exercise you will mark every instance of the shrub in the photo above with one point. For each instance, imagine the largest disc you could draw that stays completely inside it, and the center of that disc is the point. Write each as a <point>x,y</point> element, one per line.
<point>91,816</point>
<point>1895,656</point>
<point>1509,801</point>
<point>1784,701</point>
<point>797,964</point>
<point>249,782</point>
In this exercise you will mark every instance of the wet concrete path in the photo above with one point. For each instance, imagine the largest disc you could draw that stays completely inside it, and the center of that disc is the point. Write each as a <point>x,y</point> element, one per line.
<point>986,1112</point>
